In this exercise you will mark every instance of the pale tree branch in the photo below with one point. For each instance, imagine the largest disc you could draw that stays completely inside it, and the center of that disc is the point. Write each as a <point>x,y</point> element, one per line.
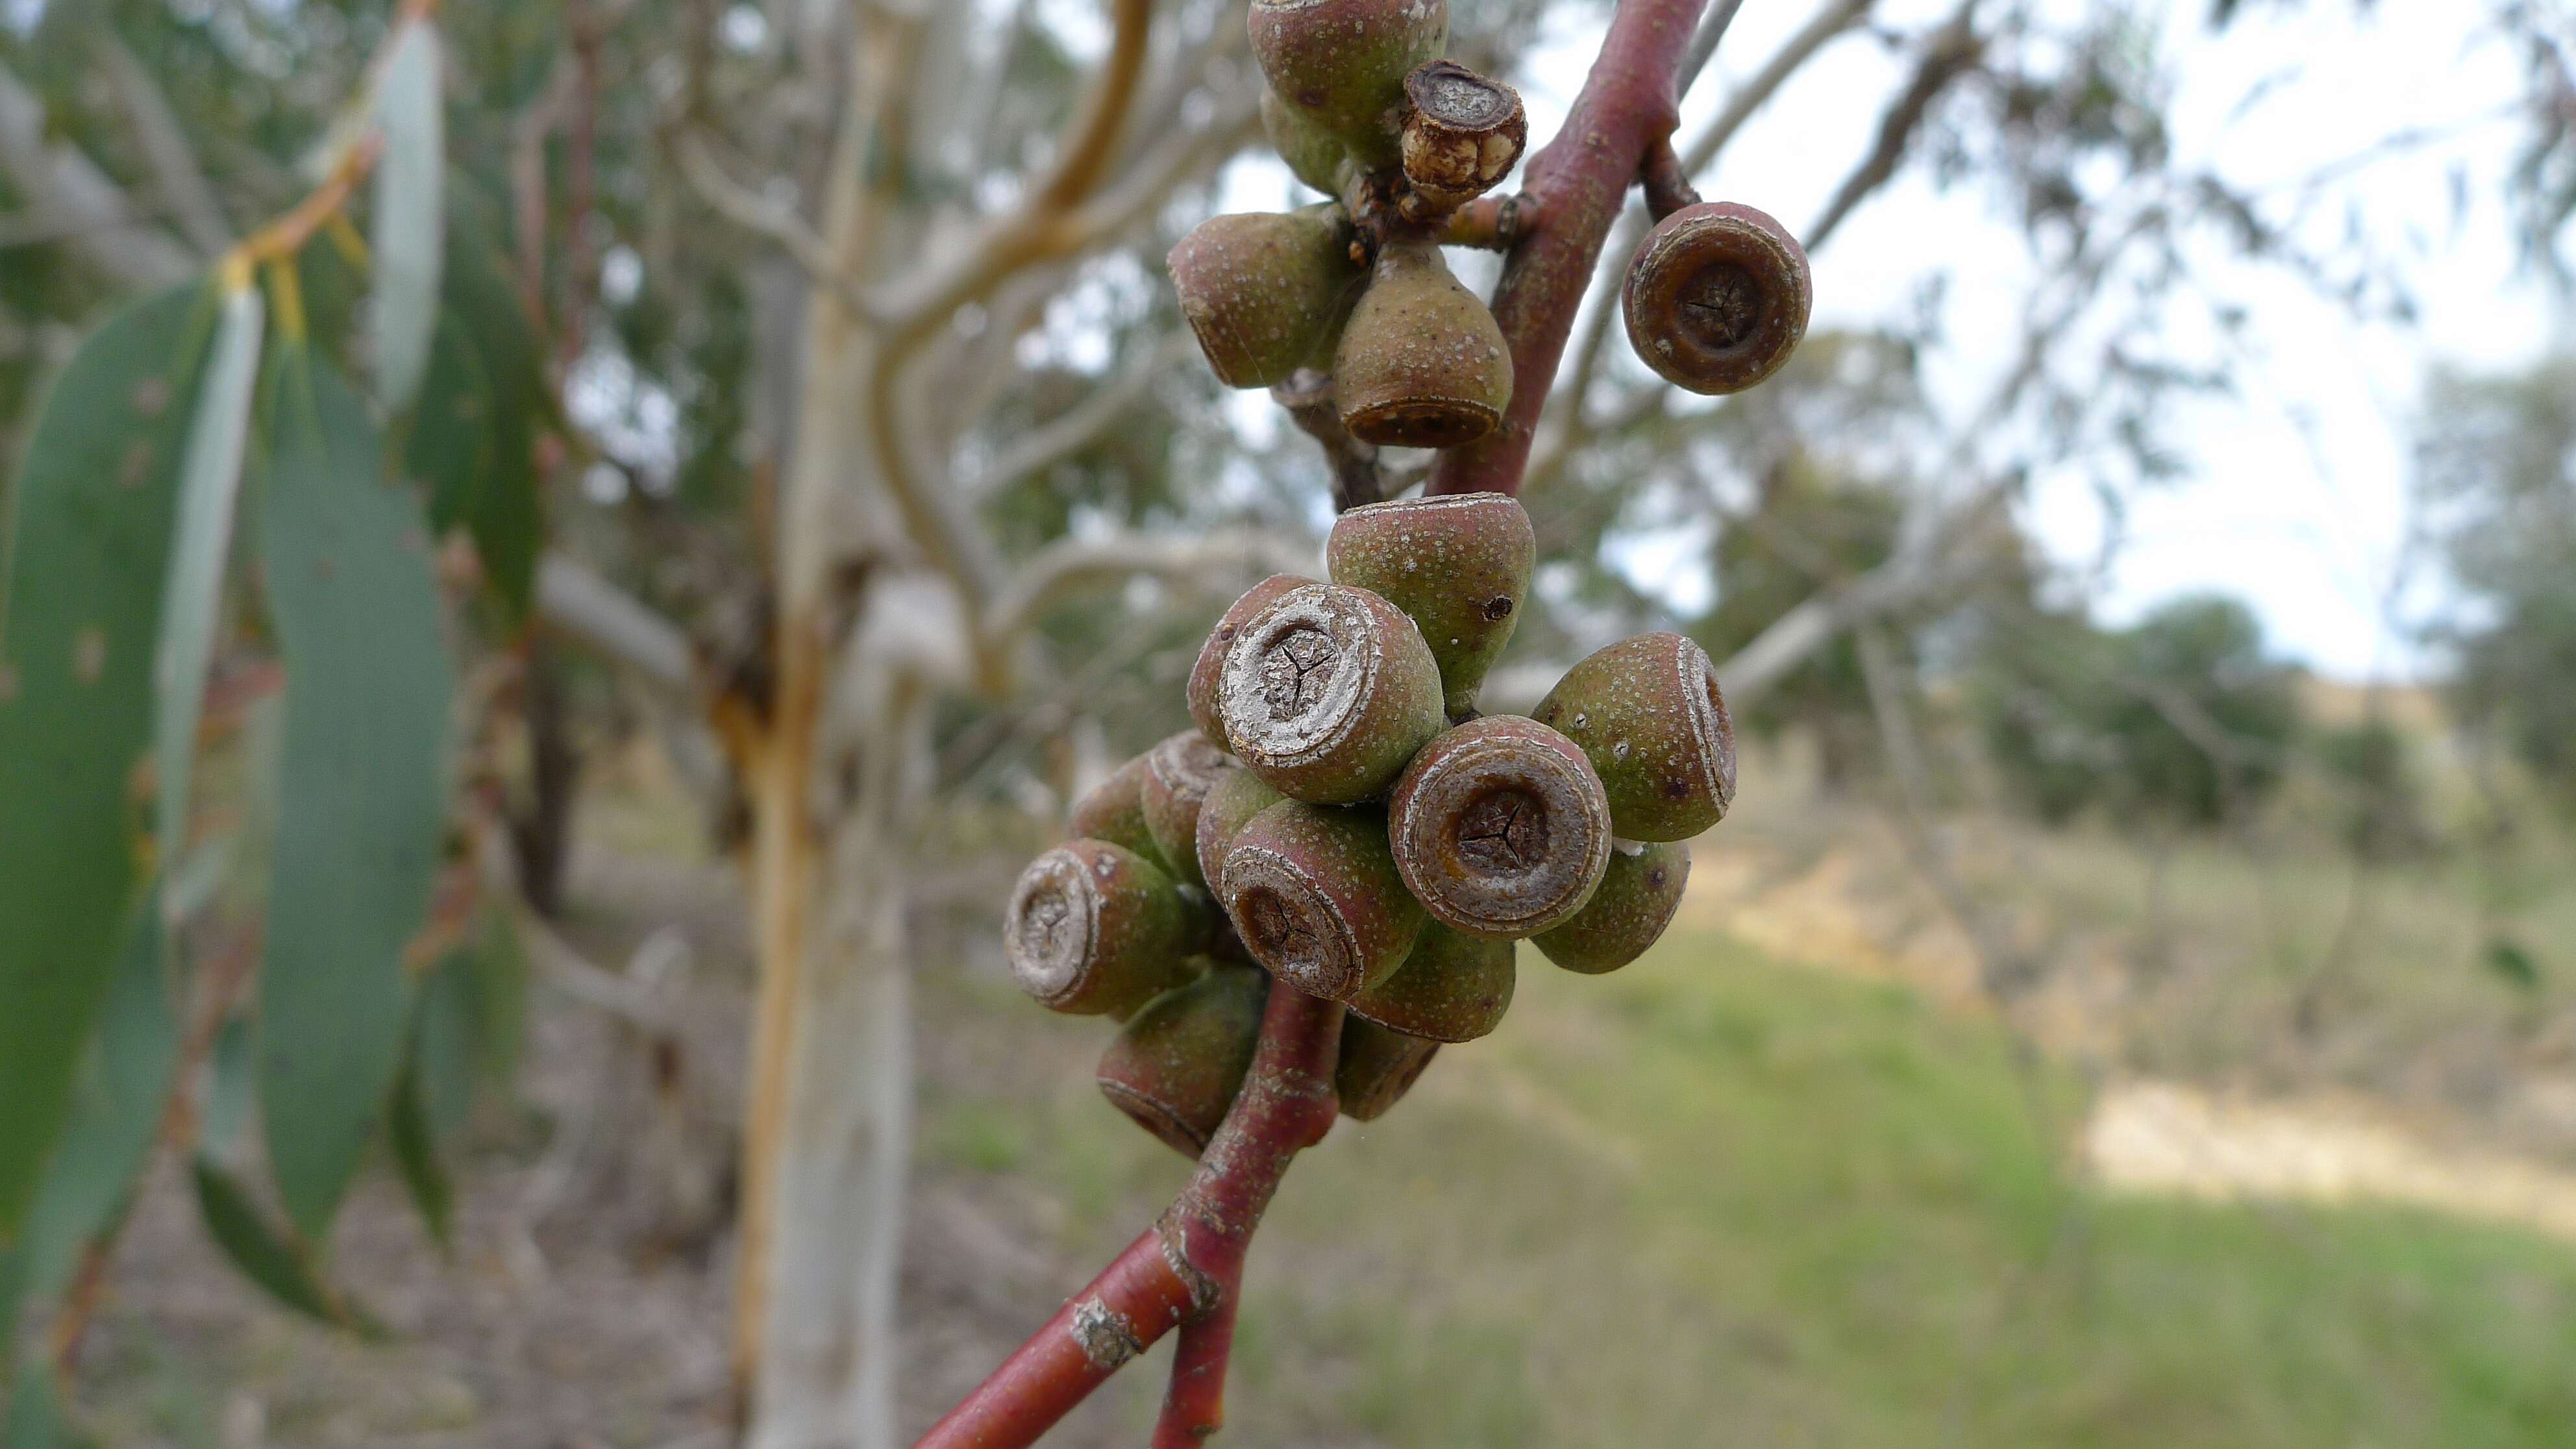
<point>179,179</point>
<point>1069,564</point>
<point>581,605</point>
<point>755,213</point>
<point>1951,52</point>
<point>56,179</point>
<point>1079,426</point>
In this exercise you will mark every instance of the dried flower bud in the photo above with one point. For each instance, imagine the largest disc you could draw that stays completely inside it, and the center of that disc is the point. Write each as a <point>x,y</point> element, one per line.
<point>1232,801</point>
<point>1208,673</point>
<point>1500,827</point>
<point>1114,811</point>
<point>1094,928</point>
<point>1377,1068</point>
<point>1328,692</point>
<point>1717,297</point>
<point>1459,564</point>
<point>1636,901</point>
<point>1260,288</point>
<point>1177,775</point>
<point>1176,1066</point>
<point>1463,134</point>
<point>1313,893</point>
<point>1342,63</point>
<point>1422,363</point>
<point>1647,713</point>
<point>1454,987</point>
<point>1314,155</point>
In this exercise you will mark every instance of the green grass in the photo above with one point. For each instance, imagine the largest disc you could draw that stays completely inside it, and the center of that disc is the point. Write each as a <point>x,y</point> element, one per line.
<point>1716,1201</point>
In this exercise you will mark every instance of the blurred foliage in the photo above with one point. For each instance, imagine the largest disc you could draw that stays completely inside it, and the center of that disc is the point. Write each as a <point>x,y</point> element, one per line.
<point>2496,475</point>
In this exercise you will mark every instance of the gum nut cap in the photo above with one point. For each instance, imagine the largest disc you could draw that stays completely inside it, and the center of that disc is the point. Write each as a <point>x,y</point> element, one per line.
<point>1313,154</point>
<point>1178,772</point>
<point>1095,929</point>
<point>1236,797</point>
<point>1342,63</point>
<point>1328,692</point>
<point>1314,896</point>
<point>1207,673</point>
<point>1114,810</point>
<point>1646,711</point>
<point>1462,132</point>
<point>1258,288</point>
<point>1636,901</point>
<point>1177,1065</point>
<point>1377,1068</point>
<point>1454,987</point>
<point>1422,363</point>
<point>1717,297</point>
<point>1458,564</point>
<point>1500,827</point>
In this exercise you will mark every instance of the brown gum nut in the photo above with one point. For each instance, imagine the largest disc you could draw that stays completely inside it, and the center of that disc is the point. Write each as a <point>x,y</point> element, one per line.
<point>1454,987</point>
<point>1342,63</point>
<point>1646,711</point>
<point>1314,155</point>
<point>1636,901</point>
<point>1206,674</point>
<point>1422,363</point>
<point>1314,895</point>
<point>1500,828</point>
<point>1095,929</point>
<point>1178,1063</point>
<point>1114,811</point>
<point>1177,775</point>
<point>1377,1068</point>
<point>1259,288</point>
<point>1459,564</point>
<point>1232,801</point>
<point>1717,297</point>
<point>1328,692</point>
<point>1462,134</point>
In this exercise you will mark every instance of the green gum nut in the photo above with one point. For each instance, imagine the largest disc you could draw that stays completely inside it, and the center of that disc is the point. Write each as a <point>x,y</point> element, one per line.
<point>1328,692</point>
<point>1500,828</point>
<point>1342,63</point>
<point>1208,672</point>
<point>1459,565</point>
<point>1178,773</point>
<point>1627,914</point>
<point>1422,363</point>
<point>1648,714</point>
<point>1454,987</point>
<point>1232,801</point>
<point>1114,811</point>
<point>1259,289</point>
<point>1377,1067</point>
<point>1177,1065</point>
<point>1312,891</point>
<point>1314,155</point>
<point>1094,929</point>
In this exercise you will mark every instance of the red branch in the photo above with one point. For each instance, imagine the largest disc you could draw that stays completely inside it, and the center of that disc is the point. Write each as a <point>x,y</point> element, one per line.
<point>1186,1271</point>
<point>1580,181</point>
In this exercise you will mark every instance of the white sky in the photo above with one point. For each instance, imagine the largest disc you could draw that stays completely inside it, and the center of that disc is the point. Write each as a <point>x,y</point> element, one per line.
<point>2296,493</point>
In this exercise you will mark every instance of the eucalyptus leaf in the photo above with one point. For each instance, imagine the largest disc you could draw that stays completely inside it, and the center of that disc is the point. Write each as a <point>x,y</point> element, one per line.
<point>362,798</point>
<point>283,1268</point>
<point>485,397</point>
<point>88,551</point>
<point>409,229</point>
<point>414,1140</point>
<point>191,602</point>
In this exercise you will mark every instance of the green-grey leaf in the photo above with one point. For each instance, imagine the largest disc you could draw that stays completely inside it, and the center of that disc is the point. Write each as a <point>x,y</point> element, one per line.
<point>209,480</point>
<point>36,1419</point>
<point>363,796</point>
<point>415,1145</point>
<point>284,1269</point>
<point>89,546</point>
<point>410,199</point>
<point>499,968</point>
<point>473,435</point>
<point>444,1048</point>
<point>116,1112</point>
<point>232,1077</point>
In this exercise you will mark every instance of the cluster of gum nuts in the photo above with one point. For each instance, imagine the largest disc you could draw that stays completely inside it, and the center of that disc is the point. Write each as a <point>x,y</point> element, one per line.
<point>1343,821</point>
<point>1353,292</point>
